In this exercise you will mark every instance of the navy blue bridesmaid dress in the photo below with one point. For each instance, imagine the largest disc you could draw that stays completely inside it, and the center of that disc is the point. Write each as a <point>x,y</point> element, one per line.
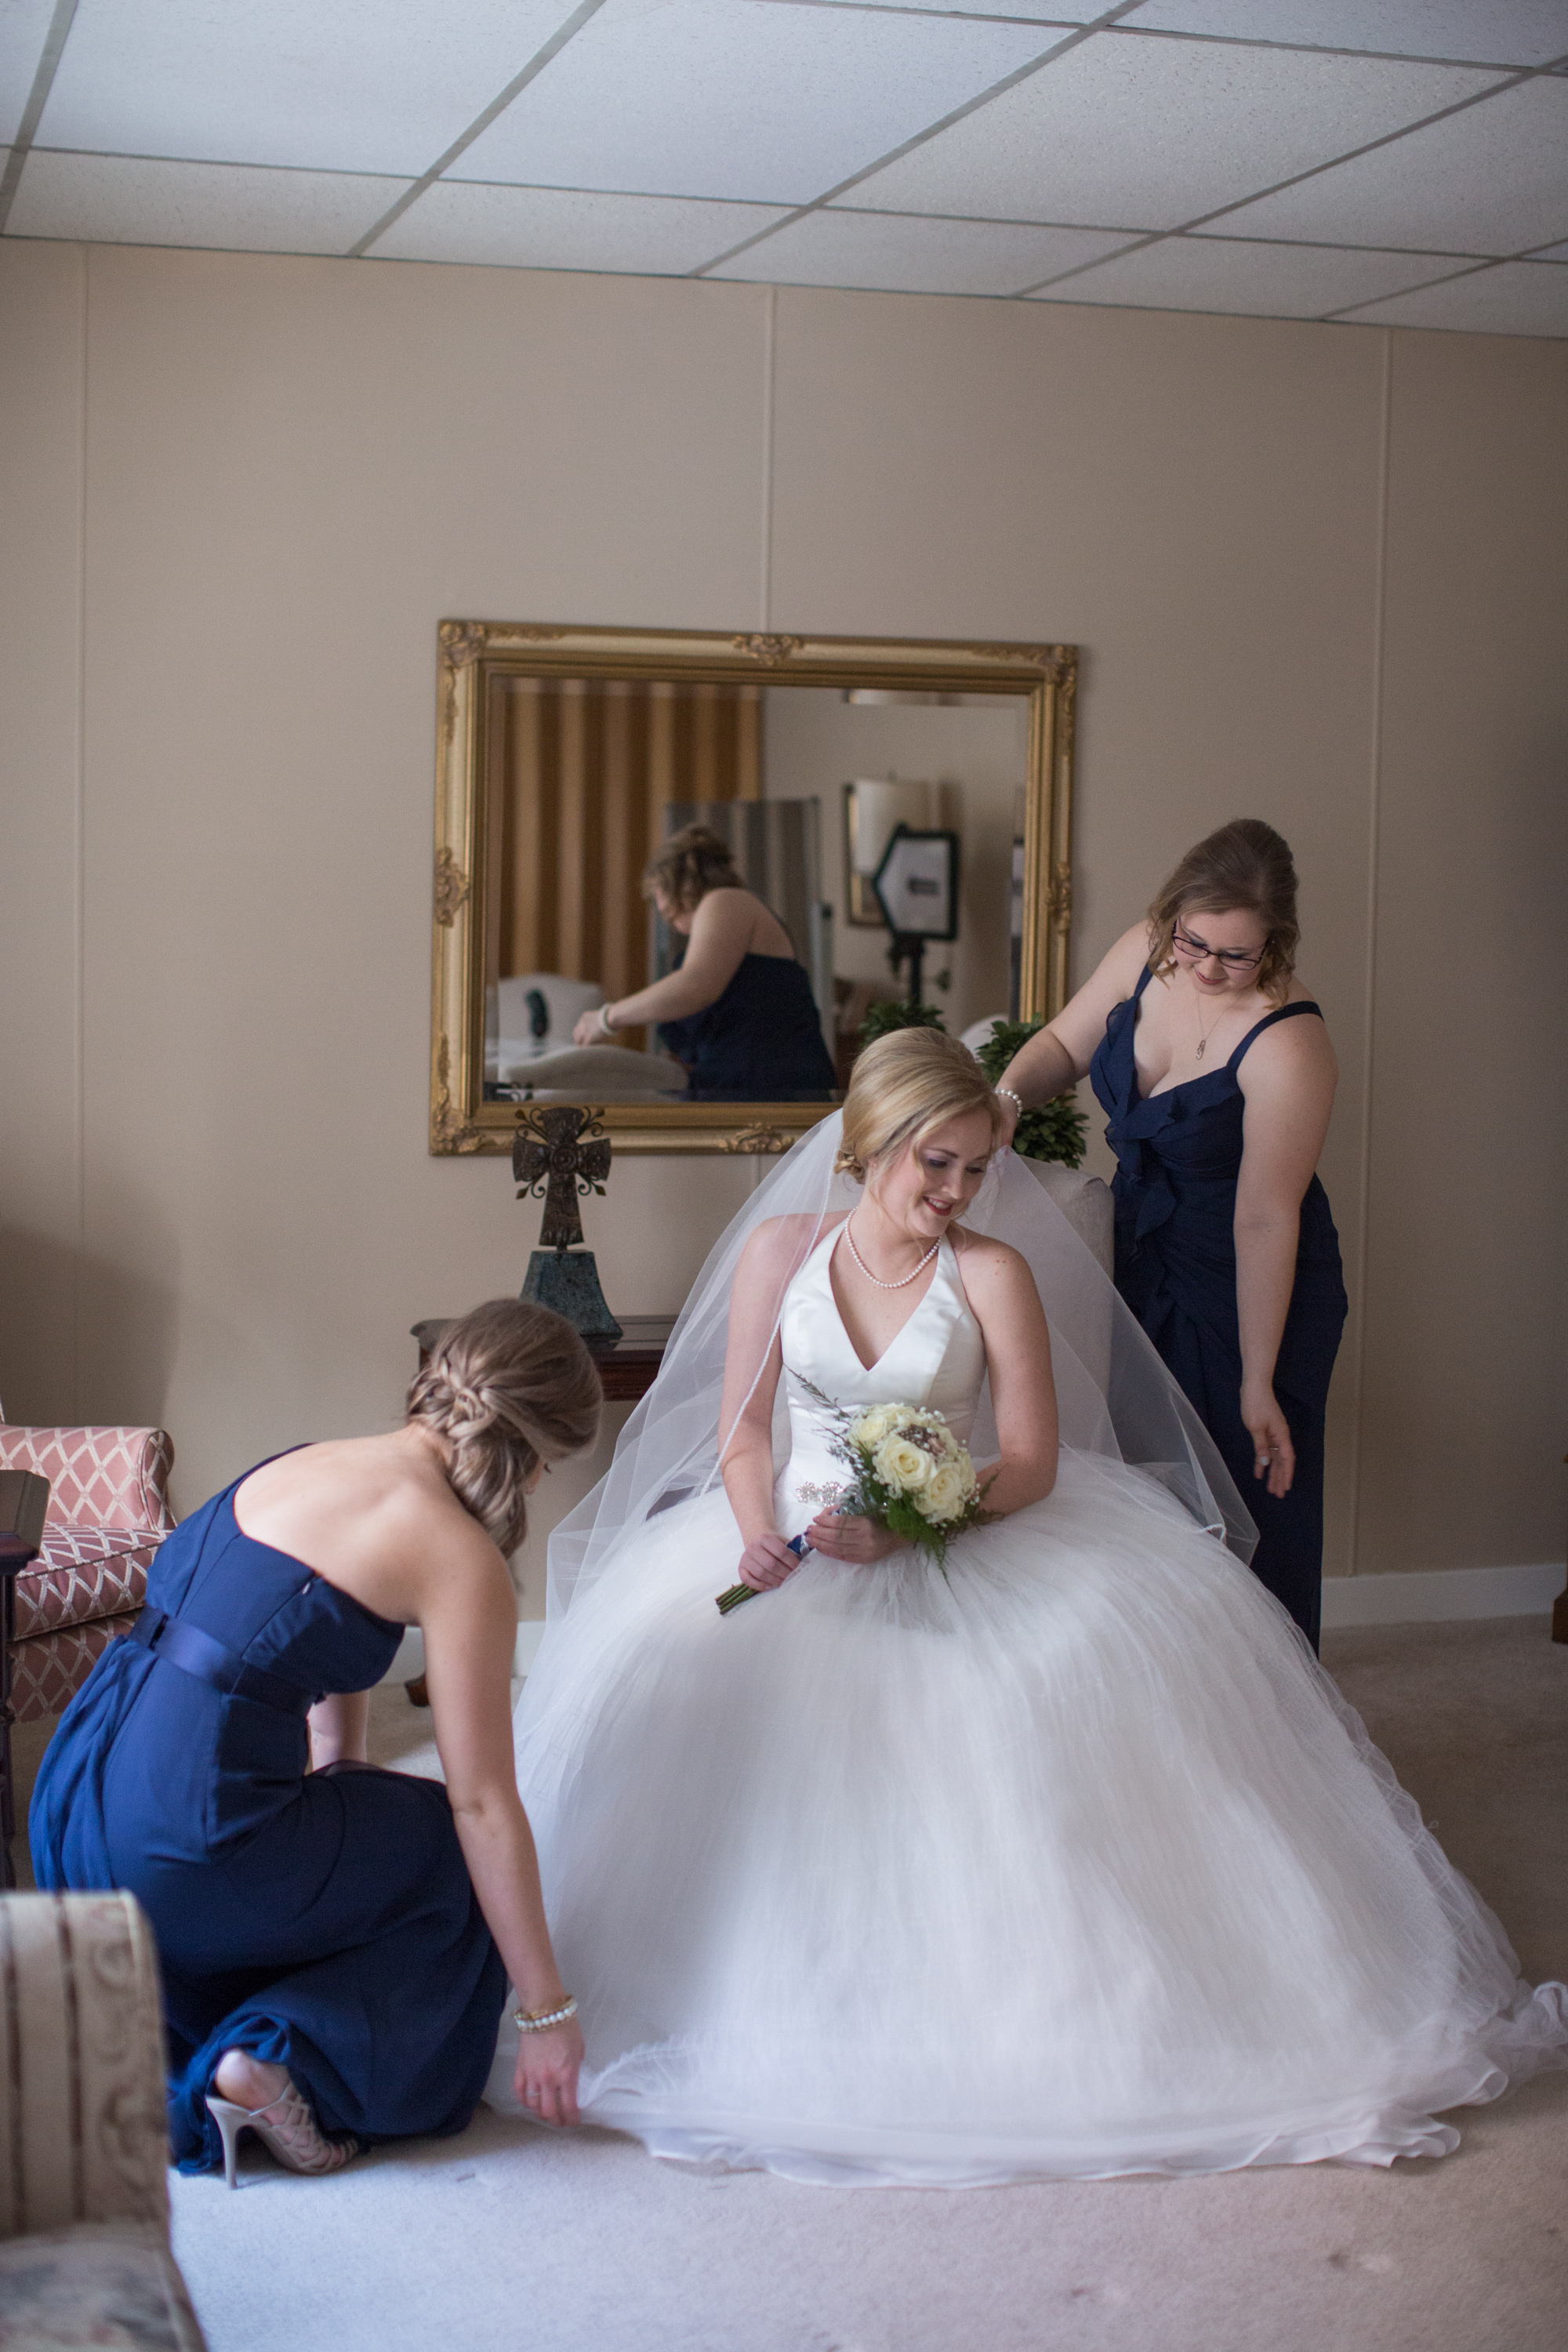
<point>761,1041</point>
<point>1178,1157</point>
<point>324,1921</point>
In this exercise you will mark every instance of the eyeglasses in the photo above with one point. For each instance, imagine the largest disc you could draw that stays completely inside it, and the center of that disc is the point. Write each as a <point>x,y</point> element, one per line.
<point>1233,959</point>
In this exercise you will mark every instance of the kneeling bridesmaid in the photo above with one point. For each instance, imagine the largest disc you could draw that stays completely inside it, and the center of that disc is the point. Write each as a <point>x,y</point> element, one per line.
<point>336,1943</point>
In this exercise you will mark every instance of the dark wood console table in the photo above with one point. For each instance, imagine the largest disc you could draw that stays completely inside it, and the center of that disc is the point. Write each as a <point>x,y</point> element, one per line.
<point>627,1370</point>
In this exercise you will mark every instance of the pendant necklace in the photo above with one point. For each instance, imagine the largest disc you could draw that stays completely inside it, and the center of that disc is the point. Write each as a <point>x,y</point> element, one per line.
<point>1204,1034</point>
<point>866,1270</point>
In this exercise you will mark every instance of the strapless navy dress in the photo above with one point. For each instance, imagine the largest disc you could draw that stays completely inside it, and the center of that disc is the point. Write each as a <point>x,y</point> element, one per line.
<point>760,1042</point>
<point>1178,1157</point>
<point>324,1921</point>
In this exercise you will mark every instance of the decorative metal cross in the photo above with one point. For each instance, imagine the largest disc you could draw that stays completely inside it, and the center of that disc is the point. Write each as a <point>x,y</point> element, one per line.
<point>552,1153</point>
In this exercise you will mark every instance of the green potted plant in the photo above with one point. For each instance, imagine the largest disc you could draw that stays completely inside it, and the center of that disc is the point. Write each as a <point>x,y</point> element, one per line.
<point>889,1012</point>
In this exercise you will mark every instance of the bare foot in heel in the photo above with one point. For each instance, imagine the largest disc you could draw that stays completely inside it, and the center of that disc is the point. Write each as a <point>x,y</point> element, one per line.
<point>250,2094</point>
<point>248,2082</point>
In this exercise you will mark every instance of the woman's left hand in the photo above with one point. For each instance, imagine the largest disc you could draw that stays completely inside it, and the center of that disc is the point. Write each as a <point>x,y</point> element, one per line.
<point>545,2079</point>
<point>1273,1455</point>
<point>838,1536</point>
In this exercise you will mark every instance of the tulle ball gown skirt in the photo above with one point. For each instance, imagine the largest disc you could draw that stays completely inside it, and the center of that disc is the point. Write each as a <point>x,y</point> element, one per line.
<point>1068,1863</point>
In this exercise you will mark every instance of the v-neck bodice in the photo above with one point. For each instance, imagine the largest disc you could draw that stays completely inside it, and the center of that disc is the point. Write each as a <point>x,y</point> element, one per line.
<point>937,1360</point>
<point>1180,1146</point>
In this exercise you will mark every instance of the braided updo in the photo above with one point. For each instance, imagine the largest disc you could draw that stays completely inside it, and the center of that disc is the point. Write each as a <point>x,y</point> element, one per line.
<point>509,1385</point>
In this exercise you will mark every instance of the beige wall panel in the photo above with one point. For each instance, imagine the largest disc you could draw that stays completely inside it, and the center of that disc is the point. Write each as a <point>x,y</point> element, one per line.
<point>1464,1430</point>
<point>296,469</point>
<point>41,321</point>
<point>1195,501</point>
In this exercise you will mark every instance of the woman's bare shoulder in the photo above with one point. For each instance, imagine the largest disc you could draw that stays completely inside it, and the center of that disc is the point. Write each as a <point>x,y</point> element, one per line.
<point>1289,1052</point>
<point>989,1267</point>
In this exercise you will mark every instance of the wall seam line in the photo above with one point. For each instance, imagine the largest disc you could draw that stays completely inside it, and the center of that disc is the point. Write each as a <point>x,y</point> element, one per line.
<point>79,944</point>
<point>1369,1009</point>
<point>766,583</point>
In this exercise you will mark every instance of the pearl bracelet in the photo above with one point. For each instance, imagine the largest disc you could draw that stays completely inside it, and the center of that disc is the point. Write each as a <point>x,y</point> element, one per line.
<point>540,2021</point>
<point>1016,1097</point>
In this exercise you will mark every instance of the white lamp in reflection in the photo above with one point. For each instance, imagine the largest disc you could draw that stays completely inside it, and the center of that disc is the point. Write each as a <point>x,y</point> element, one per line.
<point>874,808</point>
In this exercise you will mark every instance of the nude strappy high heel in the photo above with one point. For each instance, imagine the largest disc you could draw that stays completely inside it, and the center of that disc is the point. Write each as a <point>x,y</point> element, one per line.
<point>287,2126</point>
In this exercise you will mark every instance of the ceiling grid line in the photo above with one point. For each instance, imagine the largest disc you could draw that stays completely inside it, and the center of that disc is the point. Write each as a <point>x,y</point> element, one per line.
<point>542,57</point>
<point>38,98</point>
<point>1390,139</point>
<point>922,138</point>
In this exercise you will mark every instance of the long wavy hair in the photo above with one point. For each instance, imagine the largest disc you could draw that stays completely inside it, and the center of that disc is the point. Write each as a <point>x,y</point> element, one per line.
<point>509,1385</point>
<point>1245,867</point>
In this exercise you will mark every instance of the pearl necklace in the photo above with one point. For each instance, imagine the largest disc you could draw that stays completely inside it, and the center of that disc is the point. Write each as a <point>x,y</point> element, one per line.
<point>871,1277</point>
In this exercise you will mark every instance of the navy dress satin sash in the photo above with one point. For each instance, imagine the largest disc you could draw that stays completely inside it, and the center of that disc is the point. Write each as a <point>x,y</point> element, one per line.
<point>761,1041</point>
<point>323,1920</point>
<point>1178,1157</point>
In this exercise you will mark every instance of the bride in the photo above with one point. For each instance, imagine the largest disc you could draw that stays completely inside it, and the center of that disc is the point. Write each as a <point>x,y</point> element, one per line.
<point>1066,1861</point>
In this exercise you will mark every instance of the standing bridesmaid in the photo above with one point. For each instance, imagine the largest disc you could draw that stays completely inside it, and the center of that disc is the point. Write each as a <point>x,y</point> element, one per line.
<point>1215,1068</point>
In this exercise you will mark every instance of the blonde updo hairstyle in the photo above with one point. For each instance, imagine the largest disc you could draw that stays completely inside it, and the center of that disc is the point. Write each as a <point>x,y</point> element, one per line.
<point>507,1386</point>
<point>901,1089</point>
<point>1244,868</point>
<point>691,863</point>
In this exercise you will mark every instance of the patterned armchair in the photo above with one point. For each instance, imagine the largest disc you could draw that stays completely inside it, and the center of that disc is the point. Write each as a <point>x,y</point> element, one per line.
<point>109,1511</point>
<point>84,2202</point>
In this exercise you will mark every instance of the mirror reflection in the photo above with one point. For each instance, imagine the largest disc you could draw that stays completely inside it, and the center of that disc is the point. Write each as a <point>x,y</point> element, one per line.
<point>689,883</point>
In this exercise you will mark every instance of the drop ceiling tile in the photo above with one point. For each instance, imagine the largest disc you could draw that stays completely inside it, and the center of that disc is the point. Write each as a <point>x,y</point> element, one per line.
<point>903,253</point>
<point>1273,281</point>
<point>1500,32</point>
<point>1150,133</point>
<point>242,208</point>
<point>568,228</point>
<point>740,98</point>
<point>24,28</point>
<point>336,85</point>
<point>1492,180</point>
<point>1517,298</point>
<point>1039,12</point>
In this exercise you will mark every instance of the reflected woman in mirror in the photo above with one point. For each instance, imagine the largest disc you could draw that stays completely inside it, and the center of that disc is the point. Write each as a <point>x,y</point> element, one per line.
<point>336,1942</point>
<point>1215,1072</point>
<point>738,1009</point>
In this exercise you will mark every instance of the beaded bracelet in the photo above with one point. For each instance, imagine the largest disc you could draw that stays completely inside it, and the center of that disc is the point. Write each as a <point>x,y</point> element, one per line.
<point>1017,1097</point>
<point>540,2021</point>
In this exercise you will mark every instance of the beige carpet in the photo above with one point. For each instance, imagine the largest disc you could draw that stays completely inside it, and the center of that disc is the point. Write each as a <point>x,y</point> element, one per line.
<point>508,2238</point>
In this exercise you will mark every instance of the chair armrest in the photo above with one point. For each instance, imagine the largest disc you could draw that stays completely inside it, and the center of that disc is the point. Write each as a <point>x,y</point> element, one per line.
<point>107,1476</point>
<point>83,2136</point>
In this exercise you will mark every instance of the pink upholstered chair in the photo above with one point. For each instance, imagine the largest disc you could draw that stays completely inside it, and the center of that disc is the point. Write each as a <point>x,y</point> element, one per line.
<point>109,1511</point>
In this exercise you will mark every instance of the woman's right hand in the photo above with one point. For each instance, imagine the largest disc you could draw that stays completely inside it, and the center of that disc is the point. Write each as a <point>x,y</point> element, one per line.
<point>766,1562</point>
<point>546,2076</point>
<point>1273,1455</point>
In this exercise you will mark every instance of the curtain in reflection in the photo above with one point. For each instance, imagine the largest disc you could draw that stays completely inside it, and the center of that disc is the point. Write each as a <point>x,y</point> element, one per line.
<point>587,767</point>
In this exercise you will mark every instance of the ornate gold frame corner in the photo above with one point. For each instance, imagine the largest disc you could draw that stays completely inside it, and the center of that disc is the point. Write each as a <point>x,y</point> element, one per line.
<point>462,1124</point>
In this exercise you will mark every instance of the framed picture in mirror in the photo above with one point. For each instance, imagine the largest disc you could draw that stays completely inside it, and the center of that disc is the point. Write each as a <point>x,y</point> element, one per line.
<point>656,857</point>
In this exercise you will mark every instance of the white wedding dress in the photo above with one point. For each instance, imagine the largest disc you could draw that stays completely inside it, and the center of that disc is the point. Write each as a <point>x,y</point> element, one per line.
<point>1068,1862</point>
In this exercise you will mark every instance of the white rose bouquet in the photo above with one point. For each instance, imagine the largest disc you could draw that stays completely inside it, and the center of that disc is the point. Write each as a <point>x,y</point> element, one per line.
<point>909,1474</point>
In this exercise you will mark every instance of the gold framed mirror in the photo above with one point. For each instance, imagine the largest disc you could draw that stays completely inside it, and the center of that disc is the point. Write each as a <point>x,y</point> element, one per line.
<point>567,756</point>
